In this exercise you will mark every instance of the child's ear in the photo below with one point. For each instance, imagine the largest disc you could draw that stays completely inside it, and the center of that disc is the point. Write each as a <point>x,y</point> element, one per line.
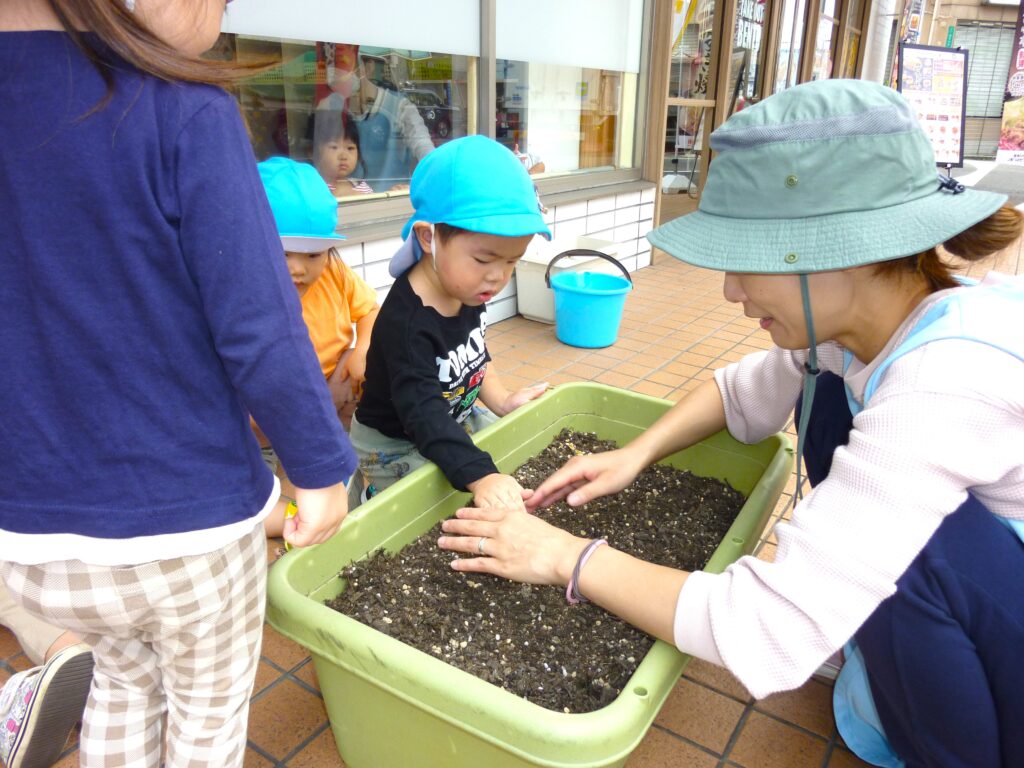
<point>423,235</point>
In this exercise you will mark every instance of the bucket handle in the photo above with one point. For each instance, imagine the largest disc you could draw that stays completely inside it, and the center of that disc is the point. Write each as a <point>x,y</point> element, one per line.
<point>585,252</point>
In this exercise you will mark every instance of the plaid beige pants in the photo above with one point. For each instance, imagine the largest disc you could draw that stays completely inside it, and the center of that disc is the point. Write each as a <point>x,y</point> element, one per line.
<point>178,637</point>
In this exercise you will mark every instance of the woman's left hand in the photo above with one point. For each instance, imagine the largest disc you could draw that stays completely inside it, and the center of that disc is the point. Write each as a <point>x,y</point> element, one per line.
<point>515,545</point>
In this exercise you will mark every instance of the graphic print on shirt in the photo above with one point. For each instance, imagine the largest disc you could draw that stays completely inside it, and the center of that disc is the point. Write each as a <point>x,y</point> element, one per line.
<point>461,372</point>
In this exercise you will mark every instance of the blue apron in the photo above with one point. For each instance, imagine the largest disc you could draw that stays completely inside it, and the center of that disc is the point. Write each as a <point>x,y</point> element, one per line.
<point>973,314</point>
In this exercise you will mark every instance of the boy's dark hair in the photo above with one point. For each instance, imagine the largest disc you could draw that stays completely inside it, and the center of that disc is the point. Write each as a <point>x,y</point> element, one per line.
<point>445,232</point>
<point>331,124</point>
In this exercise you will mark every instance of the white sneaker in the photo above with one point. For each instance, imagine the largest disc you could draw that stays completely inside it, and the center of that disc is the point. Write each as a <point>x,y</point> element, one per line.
<point>40,706</point>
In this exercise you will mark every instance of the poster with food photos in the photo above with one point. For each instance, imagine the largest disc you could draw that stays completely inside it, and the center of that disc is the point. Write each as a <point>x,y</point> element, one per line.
<point>1011,128</point>
<point>934,81</point>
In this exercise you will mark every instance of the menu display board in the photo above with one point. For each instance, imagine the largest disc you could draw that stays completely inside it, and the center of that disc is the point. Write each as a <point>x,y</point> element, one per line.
<point>934,81</point>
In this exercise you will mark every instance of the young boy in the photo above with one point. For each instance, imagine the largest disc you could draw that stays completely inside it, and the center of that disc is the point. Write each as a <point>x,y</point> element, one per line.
<point>333,297</point>
<point>475,214</point>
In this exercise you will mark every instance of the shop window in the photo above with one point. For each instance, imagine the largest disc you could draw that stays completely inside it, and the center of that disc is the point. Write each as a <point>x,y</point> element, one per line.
<point>363,115</point>
<point>690,113</point>
<point>990,48</point>
<point>391,80</point>
<point>791,40</point>
<point>746,65</point>
<point>566,90</point>
<point>825,40</point>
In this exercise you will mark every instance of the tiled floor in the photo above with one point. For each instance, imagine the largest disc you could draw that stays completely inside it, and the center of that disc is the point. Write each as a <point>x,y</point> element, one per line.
<point>675,331</point>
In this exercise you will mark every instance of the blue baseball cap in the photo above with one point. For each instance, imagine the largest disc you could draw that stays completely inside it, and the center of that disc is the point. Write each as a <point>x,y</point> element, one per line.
<point>304,209</point>
<point>473,183</point>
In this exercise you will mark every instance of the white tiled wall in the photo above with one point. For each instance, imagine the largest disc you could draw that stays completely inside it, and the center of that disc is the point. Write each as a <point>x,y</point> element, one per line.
<point>624,219</point>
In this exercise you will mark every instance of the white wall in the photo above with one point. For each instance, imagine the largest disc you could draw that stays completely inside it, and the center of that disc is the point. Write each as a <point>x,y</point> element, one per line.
<point>623,219</point>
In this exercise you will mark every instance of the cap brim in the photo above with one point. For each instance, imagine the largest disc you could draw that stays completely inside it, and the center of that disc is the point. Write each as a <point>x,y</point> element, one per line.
<point>822,243</point>
<point>405,257</point>
<point>306,244</point>
<point>509,225</point>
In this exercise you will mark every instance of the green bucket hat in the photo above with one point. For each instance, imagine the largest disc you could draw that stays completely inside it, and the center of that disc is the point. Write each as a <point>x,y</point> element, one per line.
<point>823,176</point>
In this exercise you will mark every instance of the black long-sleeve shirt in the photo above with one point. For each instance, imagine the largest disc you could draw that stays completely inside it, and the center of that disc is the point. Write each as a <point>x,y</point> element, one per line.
<point>423,375</point>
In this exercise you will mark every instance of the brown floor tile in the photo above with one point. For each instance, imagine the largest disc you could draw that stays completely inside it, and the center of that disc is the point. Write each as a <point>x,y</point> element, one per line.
<point>766,553</point>
<point>767,743</point>
<point>285,717</point>
<point>651,388</point>
<point>700,714</point>
<point>671,380</point>
<point>716,677</point>
<point>599,360</point>
<point>265,675</point>
<point>307,674</point>
<point>254,759</point>
<point>809,706</point>
<point>632,369</point>
<point>321,752</point>
<point>514,381</point>
<point>661,750</point>
<point>280,650</point>
<point>582,371</point>
<point>614,379</point>
<point>8,643</point>
<point>533,373</point>
<point>695,358</point>
<point>842,758</point>
<point>654,362</point>
<point>628,342</point>
<point>679,368</point>
<point>663,352</point>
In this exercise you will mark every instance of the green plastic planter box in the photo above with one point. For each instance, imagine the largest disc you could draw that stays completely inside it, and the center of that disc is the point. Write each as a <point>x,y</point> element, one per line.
<point>392,706</point>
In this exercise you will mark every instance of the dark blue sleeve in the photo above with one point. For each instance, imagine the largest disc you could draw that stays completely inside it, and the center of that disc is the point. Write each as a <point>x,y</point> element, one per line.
<point>233,252</point>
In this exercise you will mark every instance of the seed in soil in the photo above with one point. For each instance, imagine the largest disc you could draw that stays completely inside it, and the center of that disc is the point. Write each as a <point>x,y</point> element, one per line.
<point>526,638</point>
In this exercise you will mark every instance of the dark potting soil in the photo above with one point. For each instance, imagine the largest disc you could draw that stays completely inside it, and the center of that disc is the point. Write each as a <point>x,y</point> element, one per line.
<point>527,639</point>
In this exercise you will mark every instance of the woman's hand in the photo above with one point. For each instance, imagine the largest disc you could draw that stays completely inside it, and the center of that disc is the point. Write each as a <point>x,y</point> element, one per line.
<point>497,490</point>
<point>584,478</point>
<point>516,545</point>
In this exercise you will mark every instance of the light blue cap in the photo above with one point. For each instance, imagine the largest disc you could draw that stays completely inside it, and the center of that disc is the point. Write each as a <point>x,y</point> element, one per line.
<point>304,209</point>
<point>827,175</point>
<point>473,183</point>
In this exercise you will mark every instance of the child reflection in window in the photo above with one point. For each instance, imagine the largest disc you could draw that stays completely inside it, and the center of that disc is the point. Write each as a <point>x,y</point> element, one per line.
<point>336,153</point>
<point>392,135</point>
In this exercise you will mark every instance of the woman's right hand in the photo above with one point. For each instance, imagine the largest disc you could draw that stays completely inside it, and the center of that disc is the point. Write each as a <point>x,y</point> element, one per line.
<point>584,478</point>
<point>510,543</point>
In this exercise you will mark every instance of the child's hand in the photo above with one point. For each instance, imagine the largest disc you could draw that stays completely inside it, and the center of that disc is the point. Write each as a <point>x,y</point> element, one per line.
<point>321,511</point>
<point>355,365</point>
<point>497,490</point>
<point>340,386</point>
<point>524,395</point>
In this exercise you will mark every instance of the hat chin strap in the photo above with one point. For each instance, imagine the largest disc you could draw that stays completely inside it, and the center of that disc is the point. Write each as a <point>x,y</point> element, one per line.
<point>433,248</point>
<point>811,372</point>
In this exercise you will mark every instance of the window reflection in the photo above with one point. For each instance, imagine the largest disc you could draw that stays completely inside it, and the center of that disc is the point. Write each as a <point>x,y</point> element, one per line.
<point>791,39</point>
<point>559,118</point>
<point>364,116</point>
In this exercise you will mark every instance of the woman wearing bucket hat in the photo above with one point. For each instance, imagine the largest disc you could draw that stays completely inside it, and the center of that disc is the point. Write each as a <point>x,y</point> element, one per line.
<point>824,209</point>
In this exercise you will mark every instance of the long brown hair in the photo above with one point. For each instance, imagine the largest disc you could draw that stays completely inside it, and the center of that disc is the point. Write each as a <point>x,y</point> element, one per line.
<point>117,28</point>
<point>988,236</point>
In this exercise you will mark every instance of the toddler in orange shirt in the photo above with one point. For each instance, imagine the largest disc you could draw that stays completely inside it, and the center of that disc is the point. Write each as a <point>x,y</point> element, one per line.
<point>333,297</point>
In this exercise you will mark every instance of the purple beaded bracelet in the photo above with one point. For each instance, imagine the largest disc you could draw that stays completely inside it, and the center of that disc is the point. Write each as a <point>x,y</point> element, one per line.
<point>572,593</point>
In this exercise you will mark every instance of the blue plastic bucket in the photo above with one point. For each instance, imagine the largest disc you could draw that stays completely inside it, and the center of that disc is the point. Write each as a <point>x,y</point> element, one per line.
<point>588,305</point>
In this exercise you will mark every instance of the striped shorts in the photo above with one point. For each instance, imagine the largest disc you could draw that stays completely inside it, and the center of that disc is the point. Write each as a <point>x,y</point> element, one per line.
<point>178,638</point>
